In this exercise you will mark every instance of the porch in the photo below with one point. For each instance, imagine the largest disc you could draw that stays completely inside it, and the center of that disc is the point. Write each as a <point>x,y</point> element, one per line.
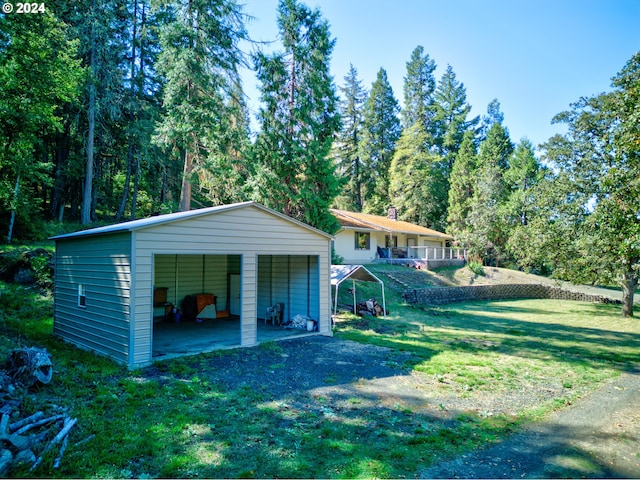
<point>422,256</point>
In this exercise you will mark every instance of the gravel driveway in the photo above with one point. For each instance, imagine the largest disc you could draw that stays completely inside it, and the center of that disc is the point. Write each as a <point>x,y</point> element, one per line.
<point>598,437</point>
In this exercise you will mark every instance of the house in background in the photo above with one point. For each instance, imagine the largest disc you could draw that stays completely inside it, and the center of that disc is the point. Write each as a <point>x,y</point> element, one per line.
<point>117,287</point>
<point>364,238</point>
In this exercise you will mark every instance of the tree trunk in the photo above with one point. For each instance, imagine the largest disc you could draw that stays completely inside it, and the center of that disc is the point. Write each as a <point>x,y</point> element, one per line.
<point>127,182</point>
<point>629,285</point>
<point>185,191</point>
<point>13,210</point>
<point>87,194</point>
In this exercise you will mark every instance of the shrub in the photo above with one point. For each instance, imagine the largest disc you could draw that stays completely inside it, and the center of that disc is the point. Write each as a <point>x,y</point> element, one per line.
<point>476,267</point>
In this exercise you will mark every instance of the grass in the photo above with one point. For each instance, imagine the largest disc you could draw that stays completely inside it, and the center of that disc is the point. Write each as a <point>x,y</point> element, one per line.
<point>171,421</point>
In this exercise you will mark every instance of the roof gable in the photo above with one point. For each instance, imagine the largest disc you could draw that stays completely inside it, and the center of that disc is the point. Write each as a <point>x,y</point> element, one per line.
<point>354,220</point>
<point>143,223</point>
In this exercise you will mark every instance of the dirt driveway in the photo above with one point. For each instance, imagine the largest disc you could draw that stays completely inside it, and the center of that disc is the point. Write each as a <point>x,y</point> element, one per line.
<point>599,436</point>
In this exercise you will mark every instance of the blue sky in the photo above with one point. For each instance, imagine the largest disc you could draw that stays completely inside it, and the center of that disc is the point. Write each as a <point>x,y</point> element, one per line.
<point>536,57</point>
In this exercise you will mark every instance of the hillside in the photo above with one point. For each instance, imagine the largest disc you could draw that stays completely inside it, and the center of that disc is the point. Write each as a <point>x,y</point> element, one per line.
<point>398,279</point>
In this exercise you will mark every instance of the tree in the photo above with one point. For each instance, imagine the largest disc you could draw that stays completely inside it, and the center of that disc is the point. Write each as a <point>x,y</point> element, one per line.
<point>450,116</point>
<point>486,235</point>
<point>293,172</point>
<point>38,72</point>
<point>200,59</point>
<point>419,87</point>
<point>462,186</point>
<point>346,148</point>
<point>381,130</point>
<point>494,115</point>
<point>594,195</point>
<point>416,178</point>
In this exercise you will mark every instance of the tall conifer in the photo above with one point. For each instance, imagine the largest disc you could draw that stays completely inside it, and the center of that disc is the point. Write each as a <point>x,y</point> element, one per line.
<point>346,148</point>
<point>200,61</point>
<point>380,134</point>
<point>299,118</point>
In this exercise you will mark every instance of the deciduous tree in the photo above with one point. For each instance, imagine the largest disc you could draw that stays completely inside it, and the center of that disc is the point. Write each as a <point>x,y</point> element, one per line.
<point>594,198</point>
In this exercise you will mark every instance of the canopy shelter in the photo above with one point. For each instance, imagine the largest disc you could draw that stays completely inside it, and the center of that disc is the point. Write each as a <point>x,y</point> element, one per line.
<point>340,273</point>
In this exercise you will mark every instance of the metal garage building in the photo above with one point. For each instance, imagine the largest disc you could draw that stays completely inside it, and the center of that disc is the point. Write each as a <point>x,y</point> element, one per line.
<point>117,287</point>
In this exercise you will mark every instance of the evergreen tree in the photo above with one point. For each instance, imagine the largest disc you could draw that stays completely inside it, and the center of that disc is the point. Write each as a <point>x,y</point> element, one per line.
<point>462,187</point>
<point>419,87</point>
<point>293,169</point>
<point>486,234</point>
<point>417,179</point>
<point>450,116</point>
<point>523,174</point>
<point>200,59</point>
<point>381,130</point>
<point>346,146</point>
<point>494,115</point>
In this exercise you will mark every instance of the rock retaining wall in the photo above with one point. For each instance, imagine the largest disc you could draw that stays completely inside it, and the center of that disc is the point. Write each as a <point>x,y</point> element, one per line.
<point>440,296</point>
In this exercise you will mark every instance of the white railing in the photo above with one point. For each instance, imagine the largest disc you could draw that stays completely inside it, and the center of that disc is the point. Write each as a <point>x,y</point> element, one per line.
<point>424,253</point>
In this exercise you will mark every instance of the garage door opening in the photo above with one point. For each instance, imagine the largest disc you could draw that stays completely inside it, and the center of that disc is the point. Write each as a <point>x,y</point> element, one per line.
<point>288,295</point>
<point>196,304</point>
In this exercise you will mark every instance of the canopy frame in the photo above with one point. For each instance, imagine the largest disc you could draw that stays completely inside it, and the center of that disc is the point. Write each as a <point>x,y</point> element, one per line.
<point>340,273</point>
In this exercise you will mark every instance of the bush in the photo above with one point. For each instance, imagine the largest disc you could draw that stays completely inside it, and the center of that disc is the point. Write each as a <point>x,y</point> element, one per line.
<point>476,267</point>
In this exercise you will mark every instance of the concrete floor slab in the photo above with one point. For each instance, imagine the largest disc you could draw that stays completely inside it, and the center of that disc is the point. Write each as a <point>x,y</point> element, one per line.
<point>172,340</point>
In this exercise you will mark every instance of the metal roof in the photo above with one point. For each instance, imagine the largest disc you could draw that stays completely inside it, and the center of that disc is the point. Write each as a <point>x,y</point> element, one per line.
<point>178,216</point>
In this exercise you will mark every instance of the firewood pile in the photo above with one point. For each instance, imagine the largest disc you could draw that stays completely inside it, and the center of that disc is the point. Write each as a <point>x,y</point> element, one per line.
<point>370,307</point>
<point>24,442</point>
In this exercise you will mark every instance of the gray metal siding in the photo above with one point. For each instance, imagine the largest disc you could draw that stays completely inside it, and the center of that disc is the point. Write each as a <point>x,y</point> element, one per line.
<point>103,266</point>
<point>119,270</point>
<point>192,274</point>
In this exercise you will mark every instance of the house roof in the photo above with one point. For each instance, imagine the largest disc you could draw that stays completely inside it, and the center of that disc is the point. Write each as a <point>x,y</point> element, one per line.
<point>177,216</point>
<point>355,220</point>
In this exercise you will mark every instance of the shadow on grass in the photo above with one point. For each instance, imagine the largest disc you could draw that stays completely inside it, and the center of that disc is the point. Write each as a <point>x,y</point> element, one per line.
<point>511,328</point>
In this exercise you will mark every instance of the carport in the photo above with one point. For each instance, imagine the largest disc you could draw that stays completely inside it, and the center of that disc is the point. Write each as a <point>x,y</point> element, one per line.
<point>340,273</point>
<point>116,286</point>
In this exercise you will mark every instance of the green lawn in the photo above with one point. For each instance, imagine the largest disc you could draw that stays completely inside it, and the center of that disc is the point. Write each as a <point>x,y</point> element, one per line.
<point>172,421</point>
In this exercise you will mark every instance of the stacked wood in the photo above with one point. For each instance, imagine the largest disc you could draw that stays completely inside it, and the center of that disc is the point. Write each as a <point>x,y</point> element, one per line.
<point>19,449</point>
<point>25,442</point>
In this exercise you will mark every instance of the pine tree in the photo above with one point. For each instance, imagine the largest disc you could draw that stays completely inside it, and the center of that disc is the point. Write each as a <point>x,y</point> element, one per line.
<point>381,130</point>
<point>494,115</point>
<point>346,149</point>
<point>299,118</point>
<point>200,59</point>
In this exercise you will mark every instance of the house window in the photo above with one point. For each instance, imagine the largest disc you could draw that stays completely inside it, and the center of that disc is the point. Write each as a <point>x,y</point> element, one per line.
<point>82,296</point>
<point>362,240</point>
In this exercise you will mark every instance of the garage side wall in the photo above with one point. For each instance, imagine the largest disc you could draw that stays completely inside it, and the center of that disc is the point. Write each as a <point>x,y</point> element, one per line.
<point>99,267</point>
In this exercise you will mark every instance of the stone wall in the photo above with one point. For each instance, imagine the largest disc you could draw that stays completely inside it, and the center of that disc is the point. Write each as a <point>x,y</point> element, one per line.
<point>440,296</point>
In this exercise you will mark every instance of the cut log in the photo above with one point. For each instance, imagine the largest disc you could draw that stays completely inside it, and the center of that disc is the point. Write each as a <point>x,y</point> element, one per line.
<point>30,366</point>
